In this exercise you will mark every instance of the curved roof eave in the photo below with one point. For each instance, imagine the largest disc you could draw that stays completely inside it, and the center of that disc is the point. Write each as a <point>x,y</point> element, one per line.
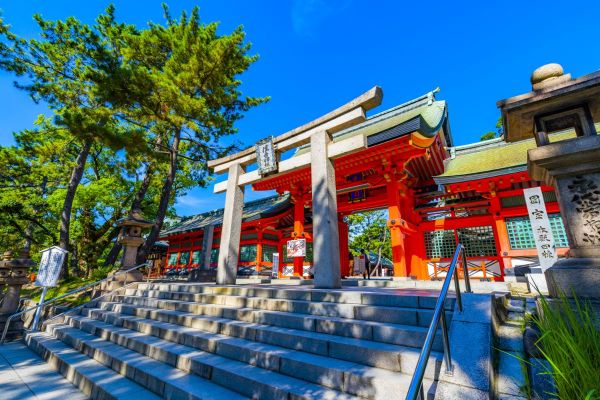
<point>445,180</point>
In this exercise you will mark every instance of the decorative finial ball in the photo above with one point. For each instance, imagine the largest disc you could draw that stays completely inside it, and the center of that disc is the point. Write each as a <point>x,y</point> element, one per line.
<point>8,255</point>
<point>545,72</point>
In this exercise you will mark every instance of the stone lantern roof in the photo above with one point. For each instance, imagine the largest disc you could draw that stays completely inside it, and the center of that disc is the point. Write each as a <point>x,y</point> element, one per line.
<point>135,218</point>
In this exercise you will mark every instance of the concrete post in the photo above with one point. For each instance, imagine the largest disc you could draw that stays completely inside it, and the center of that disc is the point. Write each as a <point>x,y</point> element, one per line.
<point>207,241</point>
<point>232,227</point>
<point>325,224</point>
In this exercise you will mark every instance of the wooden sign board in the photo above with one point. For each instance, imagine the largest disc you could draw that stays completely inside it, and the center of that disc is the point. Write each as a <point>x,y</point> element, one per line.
<point>275,269</point>
<point>266,158</point>
<point>50,266</point>
<point>540,225</point>
<point>296,248</point>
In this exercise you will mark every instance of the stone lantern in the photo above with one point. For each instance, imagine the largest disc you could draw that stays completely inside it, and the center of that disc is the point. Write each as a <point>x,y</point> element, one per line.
<point>131,239</point>
<point>560,104</point>
<point>13,275</point>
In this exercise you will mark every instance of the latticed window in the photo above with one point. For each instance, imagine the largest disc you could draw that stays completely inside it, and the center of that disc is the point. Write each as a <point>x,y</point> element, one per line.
<point>214,256</point>
<point>520,234</point>
<point>268,251</point>
<point>248,253</point>
<point>196,257</point>
<point>440,244</point>
<point>173,258</point>
<point>185,258</point>
<point>478,241</point>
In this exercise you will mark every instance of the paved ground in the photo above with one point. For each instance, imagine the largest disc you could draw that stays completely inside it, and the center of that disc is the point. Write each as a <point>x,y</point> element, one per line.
<point>25,376</point>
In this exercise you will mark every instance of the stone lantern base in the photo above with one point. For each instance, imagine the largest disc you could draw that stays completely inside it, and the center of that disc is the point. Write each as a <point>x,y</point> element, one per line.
<point>573,167</point>
<point>580,276</point>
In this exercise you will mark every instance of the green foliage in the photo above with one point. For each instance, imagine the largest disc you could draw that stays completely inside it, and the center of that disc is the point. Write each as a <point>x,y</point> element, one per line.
<point>137,113</point>
<point>494,134</point>
<point>369,231</point>
<point>570,341</point>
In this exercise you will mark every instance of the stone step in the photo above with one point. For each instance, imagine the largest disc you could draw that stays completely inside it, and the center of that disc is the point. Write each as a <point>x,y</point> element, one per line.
<point>400,334</point>
<point>193,367</point>
<point>24,375</point>
<point>91,377</point>
<point>371,353</point>
<point>340,375</point>
<point>366,297</point>
<point>393,307</point>
<point>293,313</point>
<point>155,376</point>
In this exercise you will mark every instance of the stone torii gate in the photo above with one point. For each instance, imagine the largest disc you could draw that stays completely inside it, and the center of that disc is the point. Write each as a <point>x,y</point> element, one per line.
<point>320,159</point>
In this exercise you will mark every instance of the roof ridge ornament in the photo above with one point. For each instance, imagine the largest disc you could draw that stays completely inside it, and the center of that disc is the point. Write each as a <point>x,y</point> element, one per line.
<point>431,95</point>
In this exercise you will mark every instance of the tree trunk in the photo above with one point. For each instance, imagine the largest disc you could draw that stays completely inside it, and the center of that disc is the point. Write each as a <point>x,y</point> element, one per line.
<point>111,258</point>
<point>163,205</point>
<point>65,217</point>
<point>30,225</point>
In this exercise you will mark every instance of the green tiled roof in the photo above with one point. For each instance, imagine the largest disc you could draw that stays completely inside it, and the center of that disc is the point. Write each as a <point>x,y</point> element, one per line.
<point>423,114</point>
<point>491,158</point>
<point>253,210</point>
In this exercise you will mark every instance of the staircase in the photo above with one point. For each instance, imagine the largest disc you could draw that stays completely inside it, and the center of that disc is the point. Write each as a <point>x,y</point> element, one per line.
<point>201,341</point>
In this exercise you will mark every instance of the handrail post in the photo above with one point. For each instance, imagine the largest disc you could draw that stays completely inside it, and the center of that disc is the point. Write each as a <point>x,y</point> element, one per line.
<point>38,311</point>
<point>457,289</point>
<point>466,271</point>
<point>446,340</point>
<point>70,293</point>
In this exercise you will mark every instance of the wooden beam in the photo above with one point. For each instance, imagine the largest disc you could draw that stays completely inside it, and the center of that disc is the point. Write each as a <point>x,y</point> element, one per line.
<point>366,101</point>
<point>334,150</point>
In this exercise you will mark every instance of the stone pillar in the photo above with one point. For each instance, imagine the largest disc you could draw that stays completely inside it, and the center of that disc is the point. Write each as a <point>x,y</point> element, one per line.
<point>324,202</point>
<point>229,250</point>
<point>207,242</point>
<point>573,168</point>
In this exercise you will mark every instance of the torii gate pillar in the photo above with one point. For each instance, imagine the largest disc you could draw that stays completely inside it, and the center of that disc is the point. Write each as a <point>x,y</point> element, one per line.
<point>326,247</point>
<point>323,150</point>
<point>229,250</point>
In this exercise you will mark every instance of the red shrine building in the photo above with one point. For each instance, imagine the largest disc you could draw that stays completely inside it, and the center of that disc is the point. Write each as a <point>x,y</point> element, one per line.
<point>436,194</point>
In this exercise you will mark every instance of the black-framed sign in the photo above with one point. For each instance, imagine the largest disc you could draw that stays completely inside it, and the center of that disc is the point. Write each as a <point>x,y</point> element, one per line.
<point>266,159</point>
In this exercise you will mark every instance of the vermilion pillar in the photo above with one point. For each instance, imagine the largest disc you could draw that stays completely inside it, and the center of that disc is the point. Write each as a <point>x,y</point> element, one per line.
<point>500,235</point>
<point>298,232</point>
<point>259,248</point>
<point>395,223</point>
<point>344,251</point>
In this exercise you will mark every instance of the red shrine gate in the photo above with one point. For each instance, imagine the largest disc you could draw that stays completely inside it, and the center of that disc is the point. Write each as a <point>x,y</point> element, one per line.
<point>436,196</point>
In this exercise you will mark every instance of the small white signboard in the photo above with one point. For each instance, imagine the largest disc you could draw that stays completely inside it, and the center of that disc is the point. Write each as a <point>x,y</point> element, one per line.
<point>296,248</point>
<point>266,159</point>
<point>275,269</point>
<point>50,265</point>
<point>359,265</point>
<point>540,224</point>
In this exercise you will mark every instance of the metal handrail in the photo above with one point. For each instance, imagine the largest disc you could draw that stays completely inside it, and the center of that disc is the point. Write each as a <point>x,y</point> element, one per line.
<point>79,307</point>
<point>415,389</point>
<point>72,292</point>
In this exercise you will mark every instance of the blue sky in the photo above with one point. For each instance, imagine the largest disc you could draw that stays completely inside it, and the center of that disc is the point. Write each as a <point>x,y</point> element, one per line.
<point>316,55</point>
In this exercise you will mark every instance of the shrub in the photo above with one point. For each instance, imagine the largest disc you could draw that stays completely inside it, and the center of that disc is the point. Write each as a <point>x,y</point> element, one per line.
<point>570,341</point>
